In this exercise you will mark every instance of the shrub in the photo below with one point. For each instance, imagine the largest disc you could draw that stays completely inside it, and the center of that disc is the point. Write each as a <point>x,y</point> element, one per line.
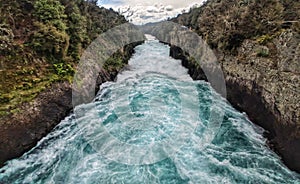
<point>226,24</point>
<point>63,69</point>
<point>50,12</point>
<point>48,40</point>
<point>262,52</point>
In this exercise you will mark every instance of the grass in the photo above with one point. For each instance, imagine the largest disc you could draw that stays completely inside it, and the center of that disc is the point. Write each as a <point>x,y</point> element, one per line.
<point>22,83</point>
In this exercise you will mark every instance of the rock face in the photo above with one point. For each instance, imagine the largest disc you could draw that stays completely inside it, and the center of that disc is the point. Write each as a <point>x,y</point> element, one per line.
<point>268,93</point>
<point>21,131</point>
<point>41,43</point>
<point>263,80</point>
<point>257,44</point>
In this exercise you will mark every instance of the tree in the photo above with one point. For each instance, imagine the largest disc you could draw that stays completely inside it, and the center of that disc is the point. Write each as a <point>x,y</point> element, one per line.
<point>50,36</point>
<point>50,41</point>
<point>51,11</point>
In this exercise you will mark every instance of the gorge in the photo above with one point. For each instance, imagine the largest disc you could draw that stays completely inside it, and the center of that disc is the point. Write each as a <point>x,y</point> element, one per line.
<point>153,101</point>
<point>259,56</point>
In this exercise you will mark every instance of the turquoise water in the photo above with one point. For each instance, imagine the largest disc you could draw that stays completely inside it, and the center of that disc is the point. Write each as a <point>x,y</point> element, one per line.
<point>152,126</point>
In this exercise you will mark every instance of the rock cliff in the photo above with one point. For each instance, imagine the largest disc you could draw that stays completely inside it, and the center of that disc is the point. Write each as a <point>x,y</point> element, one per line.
<point>41,42</point>
<point>19,132</point>
<point>257,45</point>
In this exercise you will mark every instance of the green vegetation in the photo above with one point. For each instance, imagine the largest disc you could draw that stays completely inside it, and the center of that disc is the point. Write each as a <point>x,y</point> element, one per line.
<point>64,69</point>
<point>41,42</point>
<point>262,52</point>
<point>114,63</point>
<point>264,39</point>
<point>226,24</point>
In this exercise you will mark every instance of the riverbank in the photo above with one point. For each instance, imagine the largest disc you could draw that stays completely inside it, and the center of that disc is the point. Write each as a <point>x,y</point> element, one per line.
<point>257,45</point>
<point>38,57</point>
<point>21,131</point>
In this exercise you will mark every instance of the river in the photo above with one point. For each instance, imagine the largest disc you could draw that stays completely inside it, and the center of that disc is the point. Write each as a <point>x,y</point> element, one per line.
<point>152,126</point>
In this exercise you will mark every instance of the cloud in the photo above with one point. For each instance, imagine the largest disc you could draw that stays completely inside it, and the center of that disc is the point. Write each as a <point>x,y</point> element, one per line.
<point>144,11</point>
<point>169,8</point>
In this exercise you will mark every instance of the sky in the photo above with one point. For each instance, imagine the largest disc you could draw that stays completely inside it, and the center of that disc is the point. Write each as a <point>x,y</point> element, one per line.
<point>144,11</point>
